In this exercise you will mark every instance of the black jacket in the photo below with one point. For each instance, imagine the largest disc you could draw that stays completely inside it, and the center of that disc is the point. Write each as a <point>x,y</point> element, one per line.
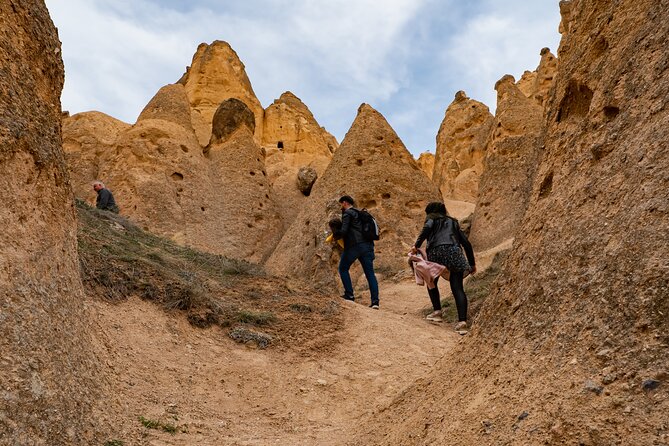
<point>351,228</point>
<point>105,201</point>
<point>445,231</point>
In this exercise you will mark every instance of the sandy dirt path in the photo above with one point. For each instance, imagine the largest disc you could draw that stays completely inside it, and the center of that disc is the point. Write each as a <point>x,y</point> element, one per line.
<point>217,392</point>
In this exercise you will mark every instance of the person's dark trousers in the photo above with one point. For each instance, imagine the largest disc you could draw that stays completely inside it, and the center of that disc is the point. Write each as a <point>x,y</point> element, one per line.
<point>364,252</point>
<point>434,297</point>
<point>457,288</point>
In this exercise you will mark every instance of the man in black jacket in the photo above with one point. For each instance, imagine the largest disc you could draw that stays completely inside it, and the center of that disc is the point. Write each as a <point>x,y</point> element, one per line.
<point>105,199</point>
<point>355,248</point>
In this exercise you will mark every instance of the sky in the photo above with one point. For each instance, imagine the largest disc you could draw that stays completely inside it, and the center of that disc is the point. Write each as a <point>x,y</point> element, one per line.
<point>406,58</point>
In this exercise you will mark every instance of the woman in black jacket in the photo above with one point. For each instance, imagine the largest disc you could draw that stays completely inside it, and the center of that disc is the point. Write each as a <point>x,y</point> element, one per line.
<point>445,241</point>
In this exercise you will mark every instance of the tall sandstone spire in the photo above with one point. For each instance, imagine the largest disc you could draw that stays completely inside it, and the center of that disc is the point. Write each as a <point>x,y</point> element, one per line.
<point>48,377</point>
<point>217,74</point>
<point>247,222</point>
<point>374,167</point>
<point>293,140</point>
<point>512,152</point>
<point>461,144</point>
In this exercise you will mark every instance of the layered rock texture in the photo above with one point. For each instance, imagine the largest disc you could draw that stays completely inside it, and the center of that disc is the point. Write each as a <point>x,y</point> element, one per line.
<point>217,74</point>
<point>374,167</point>
<point>571,346</point>
<point>461,145</point>
<point>510,162</point>
<point>294,140</point>
<point>47,372</point>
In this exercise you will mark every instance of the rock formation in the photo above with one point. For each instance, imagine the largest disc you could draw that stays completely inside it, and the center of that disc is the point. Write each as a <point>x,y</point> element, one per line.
<point>426,163</point>
<point>87,138</point>
<point>374,167</point>
<point>536,84</point>
<point>217,74</point>
<point>511,155</point>
<point>216,198</point>
<point>461,145</point>
<point>164,178</point>
<point>157,171</point>
<point>293,140</point>
<point>291,129</point>
<point>48,377</point>
<point>247,222</point>
<point>306,177</point>
<point>571,346</point>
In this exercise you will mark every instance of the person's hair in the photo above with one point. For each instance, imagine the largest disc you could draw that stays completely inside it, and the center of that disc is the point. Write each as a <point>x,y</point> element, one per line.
<point>436,207</point>
<point>335,224</point>
<point>348,199</point>
<point>96,182</point>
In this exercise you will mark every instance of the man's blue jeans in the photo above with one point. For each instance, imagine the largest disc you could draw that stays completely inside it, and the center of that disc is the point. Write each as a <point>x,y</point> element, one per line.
<point>364,252</point>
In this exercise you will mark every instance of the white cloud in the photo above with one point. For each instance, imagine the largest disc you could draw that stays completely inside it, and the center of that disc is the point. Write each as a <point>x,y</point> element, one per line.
<point>405,57</point>
<point>504,39</point>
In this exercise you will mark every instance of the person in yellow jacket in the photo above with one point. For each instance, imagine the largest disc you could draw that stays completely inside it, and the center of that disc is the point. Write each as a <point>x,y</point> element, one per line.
<point>335,225</point>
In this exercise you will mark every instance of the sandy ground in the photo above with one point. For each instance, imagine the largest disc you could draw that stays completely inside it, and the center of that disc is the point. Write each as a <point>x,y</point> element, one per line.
<point>217,392</point>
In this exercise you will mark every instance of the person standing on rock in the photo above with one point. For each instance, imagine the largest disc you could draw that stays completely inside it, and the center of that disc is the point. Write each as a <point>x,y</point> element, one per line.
<point>445,241</point>
<point>105,199</point>
<point>356,247</point>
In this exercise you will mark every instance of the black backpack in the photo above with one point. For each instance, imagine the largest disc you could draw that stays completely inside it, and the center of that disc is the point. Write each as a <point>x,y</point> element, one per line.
<point>370,229</point>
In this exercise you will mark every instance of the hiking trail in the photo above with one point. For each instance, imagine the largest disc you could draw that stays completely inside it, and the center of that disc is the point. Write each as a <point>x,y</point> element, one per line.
<point>217,392</point>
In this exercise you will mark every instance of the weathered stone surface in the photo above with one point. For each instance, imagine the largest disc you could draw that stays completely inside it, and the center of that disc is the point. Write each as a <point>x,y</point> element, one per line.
<point>48,378</point>
<point>169,105</point>
<point>512,152</point>
<point>461,145</point>
<point>247,224</point>
<point>589,266</point>
<point>217,74</point>
<point>374,167</point>
<point>537,84</point>
<point>293,139</point>
<point>230,116</point>
<point>87,139</point>
<point>217,199</point>
<point>306,177</point>
<point>426,163</point>
<point>290,125</point>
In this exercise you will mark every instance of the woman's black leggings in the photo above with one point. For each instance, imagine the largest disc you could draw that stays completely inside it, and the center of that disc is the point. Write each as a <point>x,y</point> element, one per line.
<point>458,290</point>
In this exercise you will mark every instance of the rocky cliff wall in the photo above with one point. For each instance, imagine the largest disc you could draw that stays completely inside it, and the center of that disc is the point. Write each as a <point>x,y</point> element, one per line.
<point>49,381</point>
<point>571,346</point>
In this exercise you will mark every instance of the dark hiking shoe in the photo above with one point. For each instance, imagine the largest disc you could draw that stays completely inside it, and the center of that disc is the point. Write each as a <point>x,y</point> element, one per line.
<point>347,297</point>
<point>374,306</point>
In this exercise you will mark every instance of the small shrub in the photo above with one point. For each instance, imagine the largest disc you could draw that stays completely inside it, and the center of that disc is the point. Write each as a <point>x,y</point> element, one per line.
<point>259,318</point>
<point>244,335</point>
<point>153,424</point>
<point>300,308</point>
<point>114,443</point>
<point>149,424</point>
